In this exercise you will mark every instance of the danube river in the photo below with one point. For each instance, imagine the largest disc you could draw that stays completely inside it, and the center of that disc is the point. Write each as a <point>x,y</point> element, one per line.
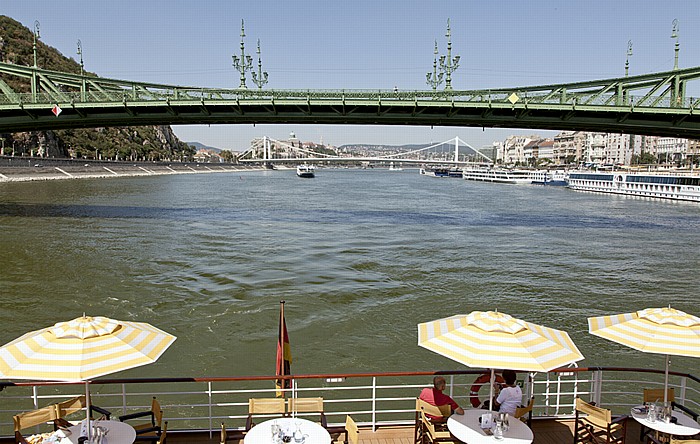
<point>360,256</point>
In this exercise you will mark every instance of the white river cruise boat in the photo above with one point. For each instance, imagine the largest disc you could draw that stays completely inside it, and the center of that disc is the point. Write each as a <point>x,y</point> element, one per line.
<point>673,186</point>
<point>502,175</point>
<point>306,171</point>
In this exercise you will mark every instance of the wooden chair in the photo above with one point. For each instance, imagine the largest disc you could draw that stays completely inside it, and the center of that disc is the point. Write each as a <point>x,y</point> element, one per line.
<point>652,438</point>
<point>34,418</point>
<point>352,433</point>
<point>439,411</point>
<point>307,405</point>
<point>231,435</point>
<point>264,406</point>
<point>151,430</point>
<point>655,395</point>
<point>55,413</point>
<point>596,425</point>
<point>520,412</point>
<point>431,435</point>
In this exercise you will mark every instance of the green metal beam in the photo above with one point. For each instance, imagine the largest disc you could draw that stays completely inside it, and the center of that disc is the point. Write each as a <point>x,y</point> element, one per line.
<point>601,105</point>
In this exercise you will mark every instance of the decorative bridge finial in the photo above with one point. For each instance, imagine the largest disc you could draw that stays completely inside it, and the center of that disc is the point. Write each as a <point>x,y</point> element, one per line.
<point>259,78</point>
<point>674,35</point>
<point>434,79</point>
<point>245,63</point>
<point>448,64</point>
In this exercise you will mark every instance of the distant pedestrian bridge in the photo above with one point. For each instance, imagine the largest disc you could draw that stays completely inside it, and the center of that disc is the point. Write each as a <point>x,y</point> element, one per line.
<point>651,104</point>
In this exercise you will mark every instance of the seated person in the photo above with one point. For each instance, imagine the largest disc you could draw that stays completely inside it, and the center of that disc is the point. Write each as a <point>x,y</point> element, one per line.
<point>434,396</point>
<point>510,396</point>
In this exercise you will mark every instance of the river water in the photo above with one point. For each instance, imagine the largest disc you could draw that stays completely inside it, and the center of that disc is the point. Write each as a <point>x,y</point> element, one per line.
<point>359,256</point>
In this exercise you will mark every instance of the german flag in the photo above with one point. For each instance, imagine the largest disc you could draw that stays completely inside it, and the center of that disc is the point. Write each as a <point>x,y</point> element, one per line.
<point>284,356</point>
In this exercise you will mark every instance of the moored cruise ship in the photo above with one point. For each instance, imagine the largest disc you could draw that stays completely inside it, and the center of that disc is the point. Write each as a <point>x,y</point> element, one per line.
<point>673,186</point>
<point>502,175</point>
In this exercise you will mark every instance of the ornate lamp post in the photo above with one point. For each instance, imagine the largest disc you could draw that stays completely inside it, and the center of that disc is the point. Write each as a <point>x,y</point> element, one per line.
<point>261,78</point>
<point>82,71</point>
<point>245,63</point>
<point>449,65</point>
<point>34,79</point>
<point>433,78</point>
<point>674,35</point>
<point>36,37</point>
<point>629,53</point>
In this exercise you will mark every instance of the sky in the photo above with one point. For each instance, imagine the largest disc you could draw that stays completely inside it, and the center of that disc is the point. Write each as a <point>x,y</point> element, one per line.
<point>364,44</point>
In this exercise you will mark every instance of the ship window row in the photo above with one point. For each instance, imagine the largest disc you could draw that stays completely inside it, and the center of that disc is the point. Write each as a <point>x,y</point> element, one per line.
<point>667,180</point>
<point>601,177</point>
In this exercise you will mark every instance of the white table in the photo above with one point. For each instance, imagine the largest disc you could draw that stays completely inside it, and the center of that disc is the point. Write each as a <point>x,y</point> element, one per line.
<point>262,433</point>
<point>117,433</point>
<point>685,425</point>
<point>468,429</point>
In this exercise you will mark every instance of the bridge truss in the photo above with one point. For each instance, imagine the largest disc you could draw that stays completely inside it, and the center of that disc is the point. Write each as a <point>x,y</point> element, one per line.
<point>651,104</point>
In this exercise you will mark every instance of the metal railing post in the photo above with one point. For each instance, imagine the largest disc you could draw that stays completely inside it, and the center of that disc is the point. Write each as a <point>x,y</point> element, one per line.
<point>209,395</point>
<point>374,403</point>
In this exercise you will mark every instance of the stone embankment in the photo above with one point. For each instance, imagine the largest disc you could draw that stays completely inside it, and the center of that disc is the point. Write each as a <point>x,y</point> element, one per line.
<point>22,169</point>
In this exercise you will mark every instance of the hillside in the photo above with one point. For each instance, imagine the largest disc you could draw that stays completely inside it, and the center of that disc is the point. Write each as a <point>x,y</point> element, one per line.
<point>122,143</point>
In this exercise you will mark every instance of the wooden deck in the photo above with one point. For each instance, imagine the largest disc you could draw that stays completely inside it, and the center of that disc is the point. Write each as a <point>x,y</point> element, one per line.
<point>546,432</point>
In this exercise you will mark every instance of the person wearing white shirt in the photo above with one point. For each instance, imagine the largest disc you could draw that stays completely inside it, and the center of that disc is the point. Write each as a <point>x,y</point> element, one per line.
<point>510,396</point>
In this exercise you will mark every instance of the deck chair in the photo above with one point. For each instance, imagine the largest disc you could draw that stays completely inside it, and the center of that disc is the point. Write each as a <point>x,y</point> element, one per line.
<point>652,438</point>
<point>55,413</point>
<point>352,433</point>
<point>443,410</point>
<point>433,436</point>
<point>264,406</point>
<point>231,435</point>
<point>150,430</point>
<point>34,418</point>
<point>65,408</point>
<point>655,395</point>
<point>307,405</point>
<point>596,425</point>
<point>525,413</point>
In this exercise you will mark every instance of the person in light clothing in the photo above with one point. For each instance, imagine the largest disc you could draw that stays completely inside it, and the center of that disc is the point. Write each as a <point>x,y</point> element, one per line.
<point>510,396</point>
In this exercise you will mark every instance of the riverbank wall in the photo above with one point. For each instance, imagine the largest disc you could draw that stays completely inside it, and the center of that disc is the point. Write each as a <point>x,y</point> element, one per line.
<point>37,169</point>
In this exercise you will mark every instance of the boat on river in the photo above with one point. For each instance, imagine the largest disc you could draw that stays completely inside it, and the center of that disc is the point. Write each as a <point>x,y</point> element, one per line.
<point>556,178</point>
<point>502,175</point>
<point>306,171</point>
<point>659,185</point>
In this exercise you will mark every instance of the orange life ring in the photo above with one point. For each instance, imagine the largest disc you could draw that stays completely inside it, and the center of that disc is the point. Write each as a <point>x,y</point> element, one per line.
<point>482,380</point>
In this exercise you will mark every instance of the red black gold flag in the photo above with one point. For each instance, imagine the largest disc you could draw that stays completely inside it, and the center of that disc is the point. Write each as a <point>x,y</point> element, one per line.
<point>284,356</point>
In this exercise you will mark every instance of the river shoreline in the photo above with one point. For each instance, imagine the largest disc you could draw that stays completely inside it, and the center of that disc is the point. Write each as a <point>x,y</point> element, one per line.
<point>37,169</point>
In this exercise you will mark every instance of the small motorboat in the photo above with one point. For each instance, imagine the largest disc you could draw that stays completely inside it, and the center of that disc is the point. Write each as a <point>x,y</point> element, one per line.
<point>306,171</point>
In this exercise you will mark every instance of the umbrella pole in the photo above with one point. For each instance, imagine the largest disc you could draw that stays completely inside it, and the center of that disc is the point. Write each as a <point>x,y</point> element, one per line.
<point>87,409</point>
<point>668,361</point>
<point>493,381</point>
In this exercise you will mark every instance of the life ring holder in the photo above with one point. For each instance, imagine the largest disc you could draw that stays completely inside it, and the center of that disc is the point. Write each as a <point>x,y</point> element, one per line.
<point>482,380</point>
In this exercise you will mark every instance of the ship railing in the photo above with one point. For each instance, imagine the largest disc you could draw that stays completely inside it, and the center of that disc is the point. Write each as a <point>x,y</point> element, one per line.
<point>374,399</point>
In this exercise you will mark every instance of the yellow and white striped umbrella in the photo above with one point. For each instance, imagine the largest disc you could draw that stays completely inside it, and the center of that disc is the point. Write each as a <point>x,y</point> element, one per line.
<point>497,340</point>
<point>665,331</point>
<point>82,349</point>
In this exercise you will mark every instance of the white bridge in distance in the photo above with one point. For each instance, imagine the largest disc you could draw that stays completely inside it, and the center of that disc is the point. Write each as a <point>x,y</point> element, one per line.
<point>272,151</point>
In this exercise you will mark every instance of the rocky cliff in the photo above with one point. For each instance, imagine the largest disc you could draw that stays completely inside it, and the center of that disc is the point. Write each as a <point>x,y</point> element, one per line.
<point>120,143</point>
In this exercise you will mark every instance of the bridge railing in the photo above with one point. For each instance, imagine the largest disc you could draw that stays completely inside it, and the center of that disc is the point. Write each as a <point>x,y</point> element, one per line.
<point>407,99</point>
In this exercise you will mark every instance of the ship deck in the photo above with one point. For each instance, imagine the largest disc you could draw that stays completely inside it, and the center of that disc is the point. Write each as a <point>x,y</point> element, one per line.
<point>546,431</point>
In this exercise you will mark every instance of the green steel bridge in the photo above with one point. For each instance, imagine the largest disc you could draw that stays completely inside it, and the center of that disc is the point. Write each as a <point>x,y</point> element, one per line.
<point>650,104</point>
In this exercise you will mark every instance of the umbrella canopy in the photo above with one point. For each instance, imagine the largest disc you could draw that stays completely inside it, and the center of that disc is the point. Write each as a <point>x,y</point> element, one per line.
<point>497,340</point>
<point>82,349</point>
<point>664,331</point>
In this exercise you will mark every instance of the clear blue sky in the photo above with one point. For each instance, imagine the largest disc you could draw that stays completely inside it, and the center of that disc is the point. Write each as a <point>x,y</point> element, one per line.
<point>362,44</point>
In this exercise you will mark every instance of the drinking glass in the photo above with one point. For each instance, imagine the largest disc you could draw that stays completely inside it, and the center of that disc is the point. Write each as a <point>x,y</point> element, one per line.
<point>275,429</point>
<point>651,414</point>
<point>498,430</point>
